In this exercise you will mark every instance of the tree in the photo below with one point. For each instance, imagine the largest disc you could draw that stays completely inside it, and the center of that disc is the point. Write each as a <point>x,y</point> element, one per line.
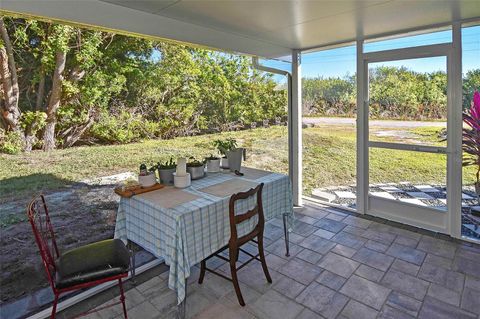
<point>8,75</point>
<point>83,86</point>
<point>471,83</point>
<point>54,100</point>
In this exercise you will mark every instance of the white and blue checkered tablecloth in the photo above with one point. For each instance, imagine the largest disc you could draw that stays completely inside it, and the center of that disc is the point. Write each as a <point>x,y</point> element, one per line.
<point>188,233</point>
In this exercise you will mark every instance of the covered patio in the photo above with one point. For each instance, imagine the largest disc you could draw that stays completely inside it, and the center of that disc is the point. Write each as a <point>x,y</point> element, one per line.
<point>341,266</point>
<point>386,259</point>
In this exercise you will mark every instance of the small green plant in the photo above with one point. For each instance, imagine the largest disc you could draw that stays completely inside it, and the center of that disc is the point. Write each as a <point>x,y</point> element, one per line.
<point>193,162</point>
<point>34,121</point>
<point>211,157</point>
<point>168,164</point>
<point>224,146</point>
<point>11,142</point>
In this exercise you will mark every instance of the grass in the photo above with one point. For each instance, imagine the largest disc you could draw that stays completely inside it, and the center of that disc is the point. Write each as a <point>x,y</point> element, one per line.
<point>28,173</point>
<point>329,160</point>
<point>372,118</point>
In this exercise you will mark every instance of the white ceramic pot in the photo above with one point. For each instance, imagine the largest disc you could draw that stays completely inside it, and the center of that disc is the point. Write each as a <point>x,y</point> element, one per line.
<point>224,162</point>
<point>213,165</point>
<point>181,181</point>
<point>147,180</point>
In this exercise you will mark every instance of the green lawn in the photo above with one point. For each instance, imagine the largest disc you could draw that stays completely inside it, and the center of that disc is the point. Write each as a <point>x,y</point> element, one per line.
<point>329,159</point>
<point>27,173</point>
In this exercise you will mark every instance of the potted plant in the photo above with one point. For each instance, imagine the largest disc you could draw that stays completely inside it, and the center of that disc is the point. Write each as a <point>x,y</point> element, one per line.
<point>166,170</point>
<point>147,178</point>
<point>213,163</point>
<point>471,142</point>
<point>225,146</point>
<point>196,168</point>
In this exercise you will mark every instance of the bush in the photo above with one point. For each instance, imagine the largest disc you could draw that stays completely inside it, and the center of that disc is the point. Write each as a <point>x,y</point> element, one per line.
<point>11,142</point>
<point>123,128</point>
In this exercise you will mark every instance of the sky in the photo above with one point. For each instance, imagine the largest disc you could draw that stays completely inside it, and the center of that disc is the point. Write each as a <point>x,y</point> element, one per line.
<point>342,61</point>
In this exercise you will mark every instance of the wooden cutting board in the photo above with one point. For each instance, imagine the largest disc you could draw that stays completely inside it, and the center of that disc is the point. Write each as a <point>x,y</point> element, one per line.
<point>135,190</point>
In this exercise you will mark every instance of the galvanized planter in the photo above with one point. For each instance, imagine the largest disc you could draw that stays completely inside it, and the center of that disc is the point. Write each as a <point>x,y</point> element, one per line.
<point>166,176</point>
<point>213,165</point>
<point>235,159</point>
<point>224,162</point>
<point>196,172</point>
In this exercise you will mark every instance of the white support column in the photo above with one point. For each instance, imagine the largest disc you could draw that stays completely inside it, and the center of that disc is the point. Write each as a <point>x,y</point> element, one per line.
<point>362,131</point>
<point>454,129</point>
<point>295,147</point>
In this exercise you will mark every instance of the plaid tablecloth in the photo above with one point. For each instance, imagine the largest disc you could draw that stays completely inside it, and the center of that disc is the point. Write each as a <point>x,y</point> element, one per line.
<point>188,233</point>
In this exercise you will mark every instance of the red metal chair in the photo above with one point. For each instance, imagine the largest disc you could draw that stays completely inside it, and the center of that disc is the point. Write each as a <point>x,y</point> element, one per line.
<point>82,267</point>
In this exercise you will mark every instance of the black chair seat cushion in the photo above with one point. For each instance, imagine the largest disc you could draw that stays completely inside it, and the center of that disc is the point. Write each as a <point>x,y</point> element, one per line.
<point>92,262</point>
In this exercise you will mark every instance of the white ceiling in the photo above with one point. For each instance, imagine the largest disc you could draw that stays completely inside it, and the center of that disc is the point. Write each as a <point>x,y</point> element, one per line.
<point>265,28</point>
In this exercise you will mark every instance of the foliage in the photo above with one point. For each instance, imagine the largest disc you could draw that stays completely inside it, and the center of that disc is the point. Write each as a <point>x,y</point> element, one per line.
<point>394,93</point>
<point>329,147</point>
<point>193,162</point>
<point>122,128</point>
<point>329,96</point>
<point>212,157</point>
<point>168,164</point>
<point>224,146</point>
<point>471,135</point>
<point>471,83</point>
<point>11,142</point>
<point>120,89</point>
<point>34,119</point>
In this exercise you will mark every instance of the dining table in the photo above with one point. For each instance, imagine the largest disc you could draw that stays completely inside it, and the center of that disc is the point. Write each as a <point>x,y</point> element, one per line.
<point>183,226</point>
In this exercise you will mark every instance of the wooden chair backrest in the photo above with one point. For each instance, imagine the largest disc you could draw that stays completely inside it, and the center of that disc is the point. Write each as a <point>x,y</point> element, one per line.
<point>257,210</point>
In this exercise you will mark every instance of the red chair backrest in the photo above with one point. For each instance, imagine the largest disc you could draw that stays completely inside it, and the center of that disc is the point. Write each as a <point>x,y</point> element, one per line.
<point>236,219</point>
<point>37,212</point>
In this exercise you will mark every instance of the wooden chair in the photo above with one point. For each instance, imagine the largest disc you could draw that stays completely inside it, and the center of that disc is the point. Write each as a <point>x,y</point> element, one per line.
<point>81,267</point>
<point>235,242</point>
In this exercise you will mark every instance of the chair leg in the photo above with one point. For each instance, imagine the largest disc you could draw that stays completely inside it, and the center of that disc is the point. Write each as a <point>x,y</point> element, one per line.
<point>262,258</point>
<point>203,268</point>
<point>132,261</point>
<point>122,298</point>
<point>54,307</point>
<point>233,271</point>
<point>287,239</point>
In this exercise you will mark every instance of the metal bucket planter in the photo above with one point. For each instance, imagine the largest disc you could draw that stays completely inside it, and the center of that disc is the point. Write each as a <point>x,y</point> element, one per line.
<point>224,162</point>
<point>235,159</point>
<point>196,172</point>
<point>213,165</point>
<point>166,175</point>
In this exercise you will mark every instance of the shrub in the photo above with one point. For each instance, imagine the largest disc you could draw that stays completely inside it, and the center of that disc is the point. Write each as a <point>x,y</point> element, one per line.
<point>123,128</point>
<point>11,142</point>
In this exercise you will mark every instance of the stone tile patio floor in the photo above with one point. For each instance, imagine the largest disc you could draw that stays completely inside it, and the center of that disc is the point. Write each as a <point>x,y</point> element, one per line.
<point>429,195</point>
<point>341,266</point>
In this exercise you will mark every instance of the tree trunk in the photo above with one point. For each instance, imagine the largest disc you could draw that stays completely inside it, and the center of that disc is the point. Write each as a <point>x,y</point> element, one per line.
<point>74,135</point>
<point>8,76</point>
<point>40,91</point>
<point>54,101</point>
<point>30,140</point>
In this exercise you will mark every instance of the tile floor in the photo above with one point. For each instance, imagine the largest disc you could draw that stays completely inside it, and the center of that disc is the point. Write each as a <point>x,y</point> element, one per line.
<point>341,266</point>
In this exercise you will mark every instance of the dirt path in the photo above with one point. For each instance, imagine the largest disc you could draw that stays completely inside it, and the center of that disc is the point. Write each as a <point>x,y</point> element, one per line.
<point>377,123</point>
<point>81,214</point>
